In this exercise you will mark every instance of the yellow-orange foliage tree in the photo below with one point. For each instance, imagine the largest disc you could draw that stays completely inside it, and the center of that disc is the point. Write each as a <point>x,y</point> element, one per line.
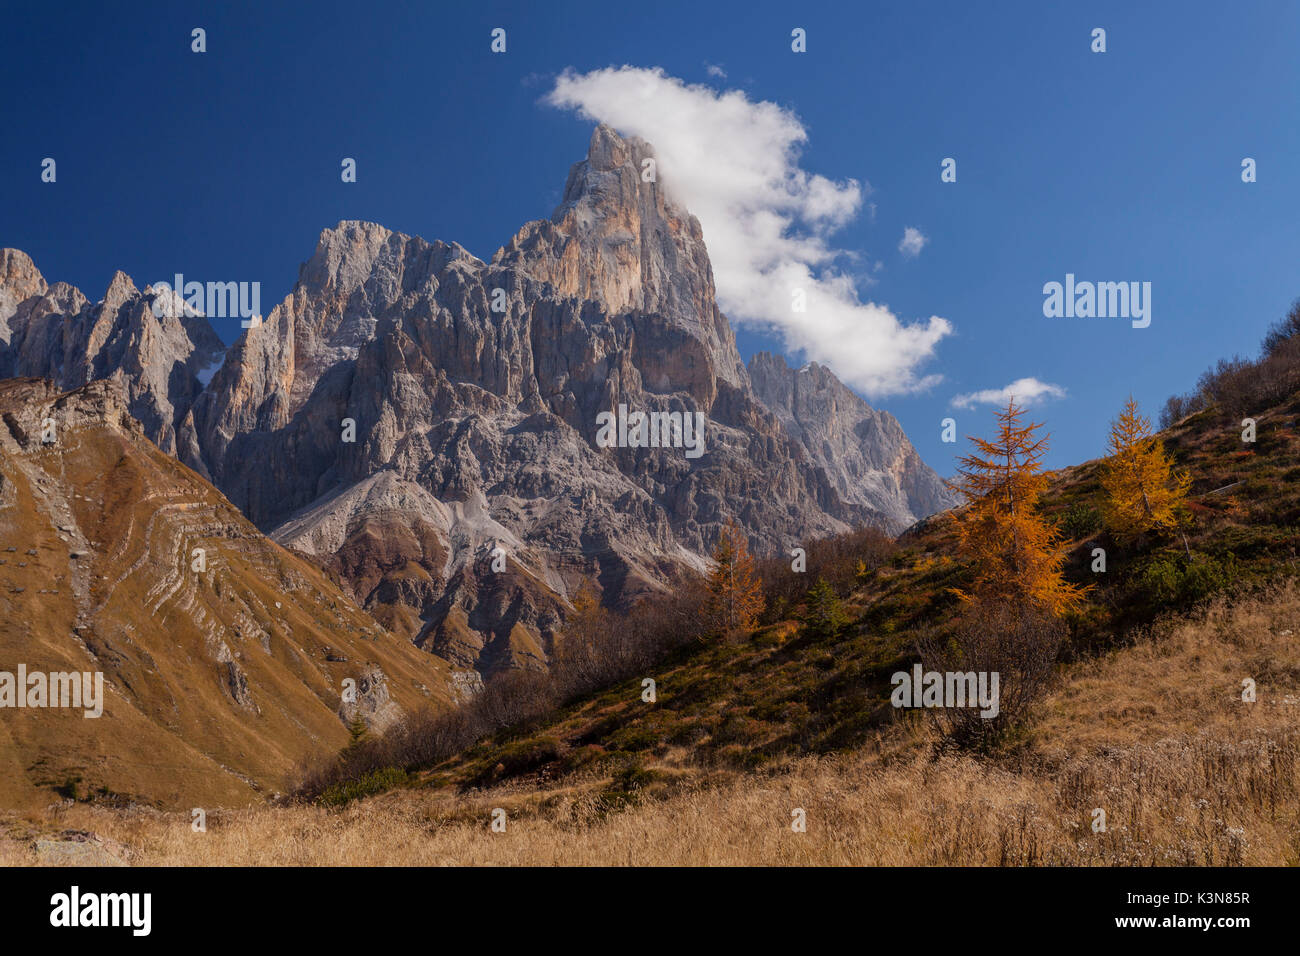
<point>735,592</point>
<point>578,656</point>
<point>589,622</point>
<point>1142,489</point>
<point>1016,553</point>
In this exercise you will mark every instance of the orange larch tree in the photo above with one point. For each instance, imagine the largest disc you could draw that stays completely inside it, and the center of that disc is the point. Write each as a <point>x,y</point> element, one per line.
<point>1016,553</point>
<point>735,592</point>
<point>1142,489</point>
<point>577,655</point>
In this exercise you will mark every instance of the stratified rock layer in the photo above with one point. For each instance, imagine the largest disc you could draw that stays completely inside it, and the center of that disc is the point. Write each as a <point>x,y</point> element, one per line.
<point>223,656</point>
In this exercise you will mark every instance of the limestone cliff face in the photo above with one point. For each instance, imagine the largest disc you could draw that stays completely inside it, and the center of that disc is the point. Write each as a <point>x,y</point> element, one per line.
<point>617,240</point>
<point>863,450</point>
<point>20,280</point>
<point>425,423</point>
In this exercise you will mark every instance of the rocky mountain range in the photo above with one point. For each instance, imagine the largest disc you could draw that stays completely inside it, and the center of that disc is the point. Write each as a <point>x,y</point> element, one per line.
<point>423,424</point>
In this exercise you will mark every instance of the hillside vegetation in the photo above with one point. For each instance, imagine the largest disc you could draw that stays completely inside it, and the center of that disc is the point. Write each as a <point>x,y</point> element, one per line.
<point>1155,734</point>
<point>801,683</point>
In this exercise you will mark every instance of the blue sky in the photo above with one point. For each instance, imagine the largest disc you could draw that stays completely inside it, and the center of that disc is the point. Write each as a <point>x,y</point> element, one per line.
<point>1122,166</point>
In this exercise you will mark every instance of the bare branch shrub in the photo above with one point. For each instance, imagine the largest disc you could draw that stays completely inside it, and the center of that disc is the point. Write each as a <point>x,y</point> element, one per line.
<point>1020,645</point>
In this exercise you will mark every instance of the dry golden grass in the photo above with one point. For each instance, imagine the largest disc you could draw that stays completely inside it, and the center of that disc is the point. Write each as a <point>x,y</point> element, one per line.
<point>1155,734</point>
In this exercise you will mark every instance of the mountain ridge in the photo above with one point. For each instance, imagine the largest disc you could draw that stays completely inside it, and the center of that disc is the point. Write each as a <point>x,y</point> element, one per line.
<point>472,388</point>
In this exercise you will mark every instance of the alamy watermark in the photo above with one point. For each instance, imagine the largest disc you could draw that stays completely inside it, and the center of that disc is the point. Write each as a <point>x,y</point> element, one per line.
<point>215,300</point>
<point>923,688</point>
<point>1099,300</point>
<point>129,910</point>
<point>56,689</point>
<point>651,430</point>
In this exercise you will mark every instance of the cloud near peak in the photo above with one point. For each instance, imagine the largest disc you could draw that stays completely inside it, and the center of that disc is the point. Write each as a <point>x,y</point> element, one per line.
<point>735,164</point>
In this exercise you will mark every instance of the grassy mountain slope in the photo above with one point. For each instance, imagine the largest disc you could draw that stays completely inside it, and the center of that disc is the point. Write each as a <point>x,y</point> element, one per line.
<point>1155,734</point>
<point>786,692</point>
<point>219,684</point>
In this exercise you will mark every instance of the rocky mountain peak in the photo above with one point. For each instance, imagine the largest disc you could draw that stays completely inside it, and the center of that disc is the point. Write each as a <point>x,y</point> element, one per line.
<point>353,253</point>
<point>19,277</point>
<point>608,150</point>
<point>20,283</point>
<point>120,290</point>
<point>617,239</point>
<point>599,179</point>
<point>345,254</point>
<point>53,332</point>
<point>362,267</point>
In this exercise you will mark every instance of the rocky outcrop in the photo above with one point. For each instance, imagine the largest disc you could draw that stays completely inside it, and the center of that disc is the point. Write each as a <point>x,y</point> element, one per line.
<point>53,332</point>
<point>863,450</point>
<point>617,240</point>
<point>368,698</point>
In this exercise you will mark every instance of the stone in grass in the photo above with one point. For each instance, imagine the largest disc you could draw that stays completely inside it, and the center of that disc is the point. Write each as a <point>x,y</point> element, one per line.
<point>75,852</point>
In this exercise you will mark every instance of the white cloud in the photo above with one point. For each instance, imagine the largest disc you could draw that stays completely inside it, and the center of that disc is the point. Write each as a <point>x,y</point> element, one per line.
<point>1025,391</point>
<point>714,70</point>
<point>912,242</point>
<point>767,222</point>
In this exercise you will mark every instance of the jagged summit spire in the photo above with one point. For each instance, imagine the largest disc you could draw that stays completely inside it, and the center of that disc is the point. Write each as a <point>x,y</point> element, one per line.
<point>608,150</point>
<point>121,289</point>
<point>613,165</point>
<point>16,266</point>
